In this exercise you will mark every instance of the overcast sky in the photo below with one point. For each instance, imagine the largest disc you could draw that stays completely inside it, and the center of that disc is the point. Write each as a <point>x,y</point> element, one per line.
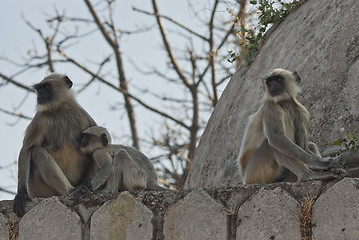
<point>17,39</point>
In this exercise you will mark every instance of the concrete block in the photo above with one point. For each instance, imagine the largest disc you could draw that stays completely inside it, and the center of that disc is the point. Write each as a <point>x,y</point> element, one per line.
<point>269,214</point>
<point>50,220</point>
<point>336,212</point>
<point>85,212</point>
<point>122,218</point>
<point>4,232</point>
<point>232,197</point>
<point>197,216</point>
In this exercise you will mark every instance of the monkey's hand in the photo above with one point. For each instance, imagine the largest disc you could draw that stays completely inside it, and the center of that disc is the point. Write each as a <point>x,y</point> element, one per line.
<point>340,172</point>
<point>19,202</point>
<point>81,190</point>
<point>325,165</point>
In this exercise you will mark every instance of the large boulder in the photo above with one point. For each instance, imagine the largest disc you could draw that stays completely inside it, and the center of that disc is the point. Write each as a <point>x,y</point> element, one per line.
<point>320,41</point>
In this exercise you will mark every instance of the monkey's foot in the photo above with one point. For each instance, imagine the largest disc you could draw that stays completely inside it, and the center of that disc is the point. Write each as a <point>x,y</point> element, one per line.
<point>81,190</point>
<point>332,173</point>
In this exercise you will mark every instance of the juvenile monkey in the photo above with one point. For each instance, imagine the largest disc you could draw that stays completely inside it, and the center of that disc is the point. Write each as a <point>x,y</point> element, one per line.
<point>117,167</point>
<point>275,145</point>
<point>50,161</point>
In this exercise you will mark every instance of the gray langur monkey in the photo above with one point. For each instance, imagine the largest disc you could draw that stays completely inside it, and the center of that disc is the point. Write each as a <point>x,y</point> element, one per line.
<point>50,161</point>
<point>275,145</point>
<point>116,167</point>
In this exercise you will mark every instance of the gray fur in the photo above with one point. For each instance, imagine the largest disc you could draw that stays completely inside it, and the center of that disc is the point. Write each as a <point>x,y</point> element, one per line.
<point>118,167</point>
<point>275,144</point>
<point>50,161</point>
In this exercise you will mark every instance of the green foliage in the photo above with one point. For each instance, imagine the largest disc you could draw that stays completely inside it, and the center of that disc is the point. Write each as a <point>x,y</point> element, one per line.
<point>349,143</point>
<point>269,14</point>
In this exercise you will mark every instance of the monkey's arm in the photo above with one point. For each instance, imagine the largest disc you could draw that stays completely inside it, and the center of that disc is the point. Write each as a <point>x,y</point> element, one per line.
<point>300,137</point>
<point>23,175</point>
<point>104,161</point>
<point>274,132</point>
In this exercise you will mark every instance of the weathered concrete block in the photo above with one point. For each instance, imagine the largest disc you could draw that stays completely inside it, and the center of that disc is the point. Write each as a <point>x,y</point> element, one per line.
<point>234,196</point>
<point>197,216</point>
<point>122,218</point>
<point>4,232</point>
<point>269,214</point>
<point>50,220</point>
<point>336,212</point>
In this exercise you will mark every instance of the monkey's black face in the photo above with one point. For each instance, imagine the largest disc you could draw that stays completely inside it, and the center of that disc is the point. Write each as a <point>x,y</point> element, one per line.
<point>90,142</point>
<point>44,94</point>
<point>275,85</point>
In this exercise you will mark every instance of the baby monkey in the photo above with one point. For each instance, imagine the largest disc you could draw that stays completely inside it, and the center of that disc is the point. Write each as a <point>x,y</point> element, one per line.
<point>116,167</point>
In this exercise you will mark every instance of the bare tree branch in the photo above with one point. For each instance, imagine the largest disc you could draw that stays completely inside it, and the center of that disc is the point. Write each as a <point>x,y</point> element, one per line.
<point>121,73</point>
<point>101,65</point>
<point>7,191</point>
<point>213,54</point>
<point>173,21</point>
<point>173,59</point>
<point>49,41</point>
<point>10,80</point>
<point>20,115</point>
<point>123,91</point>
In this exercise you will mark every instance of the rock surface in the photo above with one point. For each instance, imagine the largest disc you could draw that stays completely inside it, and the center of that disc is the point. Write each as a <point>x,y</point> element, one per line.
<point>269,214</point>
<point>197,216</point>
<point>122,218</point>
<point>340,205</point>
<point>4,232</point>
<point>320,41</point>
<point>50,220</point>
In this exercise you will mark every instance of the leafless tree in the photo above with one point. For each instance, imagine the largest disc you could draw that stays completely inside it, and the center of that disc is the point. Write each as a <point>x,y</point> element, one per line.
<point>197,65</point>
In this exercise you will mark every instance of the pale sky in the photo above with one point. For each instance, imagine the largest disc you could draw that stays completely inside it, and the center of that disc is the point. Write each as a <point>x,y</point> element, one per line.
<point>17,38</point>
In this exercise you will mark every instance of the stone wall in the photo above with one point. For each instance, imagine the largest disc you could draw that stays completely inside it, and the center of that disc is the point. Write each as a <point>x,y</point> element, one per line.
<point>325,210</point>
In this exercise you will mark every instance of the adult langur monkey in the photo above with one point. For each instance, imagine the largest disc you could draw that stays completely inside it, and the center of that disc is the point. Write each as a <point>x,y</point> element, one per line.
<point>275,145</point>
<point>116,167</point>
<point>50,160</point>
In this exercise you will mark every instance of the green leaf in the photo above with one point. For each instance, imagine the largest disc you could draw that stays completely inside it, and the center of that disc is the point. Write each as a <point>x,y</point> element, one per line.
<point>350,135</point>
<point>338,142</point>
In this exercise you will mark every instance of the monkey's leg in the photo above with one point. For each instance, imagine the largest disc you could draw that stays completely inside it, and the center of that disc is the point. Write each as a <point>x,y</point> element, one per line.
<point>262,167</point>
<point>49,171</point>
<point>132,176</point>
<point>37,185</point>
<point>114,182</point>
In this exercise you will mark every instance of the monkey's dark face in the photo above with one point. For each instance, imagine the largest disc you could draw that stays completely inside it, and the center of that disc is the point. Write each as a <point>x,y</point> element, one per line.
<point>89,142</point>
<point>44,93</point>
<point>275,85</point>
<point>52,89</point>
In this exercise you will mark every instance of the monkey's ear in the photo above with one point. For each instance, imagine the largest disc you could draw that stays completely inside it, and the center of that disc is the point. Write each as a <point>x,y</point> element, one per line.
<point>297,78</point>
<point>104,139</point>
<point>68,82</point>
